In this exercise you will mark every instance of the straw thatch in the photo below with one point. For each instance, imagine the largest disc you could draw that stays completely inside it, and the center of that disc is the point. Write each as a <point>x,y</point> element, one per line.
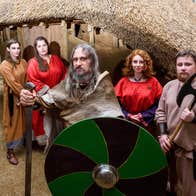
<point>161,27</point>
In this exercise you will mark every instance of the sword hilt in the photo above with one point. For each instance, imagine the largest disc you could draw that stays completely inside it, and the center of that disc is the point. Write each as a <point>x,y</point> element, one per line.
<point>29,86</point>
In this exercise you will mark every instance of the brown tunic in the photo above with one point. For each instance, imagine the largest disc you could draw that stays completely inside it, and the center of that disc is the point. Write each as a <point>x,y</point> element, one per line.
<point>14,79</point>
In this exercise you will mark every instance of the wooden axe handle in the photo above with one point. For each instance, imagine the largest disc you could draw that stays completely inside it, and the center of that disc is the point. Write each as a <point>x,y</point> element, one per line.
<point>177,129</point>
<point>180,123</point>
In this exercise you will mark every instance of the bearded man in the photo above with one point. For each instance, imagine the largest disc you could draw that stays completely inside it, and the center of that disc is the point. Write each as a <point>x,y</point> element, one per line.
<point>168,115</point>
<point>85,93</point>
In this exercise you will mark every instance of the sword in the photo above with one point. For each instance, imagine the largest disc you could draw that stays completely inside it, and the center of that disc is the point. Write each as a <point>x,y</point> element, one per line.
<point>28,136</point>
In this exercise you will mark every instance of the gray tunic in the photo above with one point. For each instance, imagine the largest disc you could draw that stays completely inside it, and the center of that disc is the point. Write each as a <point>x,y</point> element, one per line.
<point>100,102</point>
<point>169,112</point>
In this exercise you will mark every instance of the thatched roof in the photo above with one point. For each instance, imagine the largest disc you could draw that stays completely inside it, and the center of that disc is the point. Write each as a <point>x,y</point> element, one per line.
<point>161,27</point>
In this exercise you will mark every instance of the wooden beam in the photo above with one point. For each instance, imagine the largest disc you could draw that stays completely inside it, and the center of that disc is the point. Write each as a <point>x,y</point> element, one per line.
<point>91,35</point>
<point>7,33</point>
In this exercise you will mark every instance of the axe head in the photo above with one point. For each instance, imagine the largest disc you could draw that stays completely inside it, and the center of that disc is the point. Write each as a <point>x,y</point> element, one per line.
<point>186,89</point>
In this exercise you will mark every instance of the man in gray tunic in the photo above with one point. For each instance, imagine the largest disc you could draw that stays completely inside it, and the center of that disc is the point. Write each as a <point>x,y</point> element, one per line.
<point>168,115</point>
<point>85,92</point>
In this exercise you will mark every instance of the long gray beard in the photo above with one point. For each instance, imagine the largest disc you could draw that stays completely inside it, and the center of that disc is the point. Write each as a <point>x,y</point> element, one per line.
<point>81,79</point>
<point>81,85</point>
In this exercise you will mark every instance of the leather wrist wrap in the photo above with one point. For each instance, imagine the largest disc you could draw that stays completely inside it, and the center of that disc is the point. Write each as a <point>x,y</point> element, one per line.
<point>161,129</point>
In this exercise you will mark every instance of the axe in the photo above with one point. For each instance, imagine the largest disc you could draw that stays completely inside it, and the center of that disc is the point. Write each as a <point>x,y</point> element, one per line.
<point>184,91</point>
<point>28,136</point>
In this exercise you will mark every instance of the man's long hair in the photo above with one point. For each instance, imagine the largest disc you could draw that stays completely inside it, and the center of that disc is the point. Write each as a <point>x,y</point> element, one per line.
<point>7,54</point>
<point>72,85</point>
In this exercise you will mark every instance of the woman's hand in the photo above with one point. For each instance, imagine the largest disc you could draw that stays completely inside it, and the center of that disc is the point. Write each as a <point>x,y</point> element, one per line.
<point>137,118</point>
<point>134,117</point>
<point>27,97</point>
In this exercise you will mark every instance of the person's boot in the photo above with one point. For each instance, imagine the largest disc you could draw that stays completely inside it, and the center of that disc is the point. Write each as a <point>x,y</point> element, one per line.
<point>11,157</point>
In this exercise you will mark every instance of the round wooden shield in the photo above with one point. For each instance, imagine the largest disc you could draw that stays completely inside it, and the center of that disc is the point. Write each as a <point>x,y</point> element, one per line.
<point>77,150</point>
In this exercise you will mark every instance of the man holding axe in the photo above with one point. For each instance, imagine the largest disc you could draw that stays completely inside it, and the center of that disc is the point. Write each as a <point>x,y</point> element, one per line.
<point>176,119</point>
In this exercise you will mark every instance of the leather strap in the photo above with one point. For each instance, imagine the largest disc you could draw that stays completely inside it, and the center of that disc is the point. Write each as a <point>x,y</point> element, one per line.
<point>161,129</point>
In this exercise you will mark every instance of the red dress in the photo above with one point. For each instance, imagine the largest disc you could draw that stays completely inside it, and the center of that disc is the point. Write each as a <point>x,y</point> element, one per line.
<point>139,97</point>
<point>44,80</point>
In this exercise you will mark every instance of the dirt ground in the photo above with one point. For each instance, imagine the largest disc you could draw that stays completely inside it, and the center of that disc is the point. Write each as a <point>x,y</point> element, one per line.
<point>12,178</point>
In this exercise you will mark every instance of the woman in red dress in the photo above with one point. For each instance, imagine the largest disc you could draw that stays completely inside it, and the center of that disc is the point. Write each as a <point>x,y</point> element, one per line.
<point>139,91</point>
<point>45,71</point>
